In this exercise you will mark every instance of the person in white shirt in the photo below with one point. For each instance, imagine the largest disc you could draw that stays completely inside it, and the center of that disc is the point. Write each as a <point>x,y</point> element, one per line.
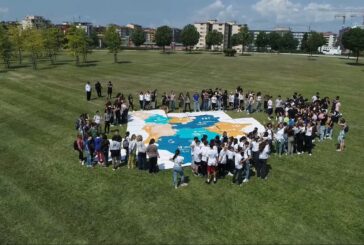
<point>246,161</point>
<point>97,121</point>
<point>279,105</point>
<point>204,152</point>
<point>308,138</point>
<point>141,153</point>
<point>177,169</point>
<point>230,161</point>
<point>231,100</point>
<point>264,150</point>
<point>196,156</point>
<point>259,102</point>
<point>212,158</point>
<point>238,173</point>
<point>141,100</point>
<point>88,90</point>
<point>279,138</point>
<point>223,160</point>
<point>147,99</point>
<point>270,108</point>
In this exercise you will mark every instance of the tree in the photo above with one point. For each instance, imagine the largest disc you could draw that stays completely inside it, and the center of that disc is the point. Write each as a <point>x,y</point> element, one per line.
<point>262,41</point>
<point>190,36</point>
<point>214,38</point>
<point>354,40</point>
<point>113,41</point>
<point>275,41</point>
<point>288,42</point>
<point>33,43</point>
<point>17,40</point>
<point>52,42</point>
<point>163,37</point>
<point>304,42</point>
<point>138,37</point>
<point>314,41</point>
<point>5,47</point>
<point>79,43</point>
<point>243,38</point>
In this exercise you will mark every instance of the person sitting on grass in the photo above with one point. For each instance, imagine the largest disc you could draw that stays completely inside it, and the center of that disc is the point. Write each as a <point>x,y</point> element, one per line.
<point>177,169</point>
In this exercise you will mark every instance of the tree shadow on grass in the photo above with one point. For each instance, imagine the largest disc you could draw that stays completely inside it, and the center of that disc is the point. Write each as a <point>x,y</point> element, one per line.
<point>216,53</point>
<point>3,71</point>
<point>123,62</point>
<point>354,64</point>
<point>245,55</point>
<point>87,65</point>
<point>193,52</point>
<point>18,66</point>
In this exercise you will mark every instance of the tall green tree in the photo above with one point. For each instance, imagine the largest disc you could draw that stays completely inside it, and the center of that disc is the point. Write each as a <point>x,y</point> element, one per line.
<point>354,40</point>
<point>78,43</point>
<point>214,38</point>
<point>304,42</point>
<point>275,41</point>
<point>113,41</point>
<point>314,41</point>
<point>34,44</point>
<point>243,38</point>
<point>190,36</point>
<point>138,37</point>
<point>262,41</point>
<point>5,47</point>
<point>52,40</point>
<point>163,37</point>
<point>288,42</point>
<point>17,40</point>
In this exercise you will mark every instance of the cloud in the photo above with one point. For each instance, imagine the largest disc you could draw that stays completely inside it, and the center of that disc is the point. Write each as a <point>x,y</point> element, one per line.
<point>290,12</point>
<point>4,10</point>
<point>218,10</point>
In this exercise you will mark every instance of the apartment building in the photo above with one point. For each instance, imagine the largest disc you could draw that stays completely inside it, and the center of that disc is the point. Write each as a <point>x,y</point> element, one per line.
<point>33,21</point>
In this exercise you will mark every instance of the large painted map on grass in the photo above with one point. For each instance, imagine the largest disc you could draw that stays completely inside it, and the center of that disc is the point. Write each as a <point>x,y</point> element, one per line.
<point>177,130</point>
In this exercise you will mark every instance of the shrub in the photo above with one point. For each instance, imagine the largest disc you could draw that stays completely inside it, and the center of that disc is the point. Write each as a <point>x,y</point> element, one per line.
<point>230,52</point>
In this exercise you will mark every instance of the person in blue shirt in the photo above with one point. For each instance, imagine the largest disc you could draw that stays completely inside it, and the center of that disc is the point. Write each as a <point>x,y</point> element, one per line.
<point>196,102</point>
<point>98,149</point>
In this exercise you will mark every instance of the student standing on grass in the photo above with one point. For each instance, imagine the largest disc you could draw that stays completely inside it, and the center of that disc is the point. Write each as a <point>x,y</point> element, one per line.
<point>177,169</point>
<point>79,148</point>
<point>107,120</point>
<point>246,161</point>
<point>89,151</point>
<point>131,102</point>
<point>115,147</point>
<point>308,138</point>
<point>141,100</point>
<point>238,172</point>
<point>196,102</point>
<point>88,89</point>
<point>153,155</point>
<point>132,152</point>
<point>212,158</point>
<point>109,90</point>
<point>344,129</point>
<point>98,89</point>
<point>105,149</point>
<point>141,149</point>
<point>98,149</point>
<point>187,100</point>
<point>264,150</point>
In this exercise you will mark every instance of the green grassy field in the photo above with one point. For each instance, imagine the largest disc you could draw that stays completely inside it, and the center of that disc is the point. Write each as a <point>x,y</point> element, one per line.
<point>46,197</point>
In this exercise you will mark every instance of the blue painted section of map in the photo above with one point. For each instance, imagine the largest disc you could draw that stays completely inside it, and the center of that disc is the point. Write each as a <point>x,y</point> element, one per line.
<point>157,119</point>
<point>185,133</point>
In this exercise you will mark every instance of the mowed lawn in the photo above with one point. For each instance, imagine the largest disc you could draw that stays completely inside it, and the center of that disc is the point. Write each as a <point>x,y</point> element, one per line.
<point>46,197</point>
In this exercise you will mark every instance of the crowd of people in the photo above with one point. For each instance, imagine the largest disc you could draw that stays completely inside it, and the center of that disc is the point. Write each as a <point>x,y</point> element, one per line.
<point>296,123</point>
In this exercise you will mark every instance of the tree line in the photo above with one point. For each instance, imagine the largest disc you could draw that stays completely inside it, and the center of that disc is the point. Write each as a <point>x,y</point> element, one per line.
<point>48,42</point>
